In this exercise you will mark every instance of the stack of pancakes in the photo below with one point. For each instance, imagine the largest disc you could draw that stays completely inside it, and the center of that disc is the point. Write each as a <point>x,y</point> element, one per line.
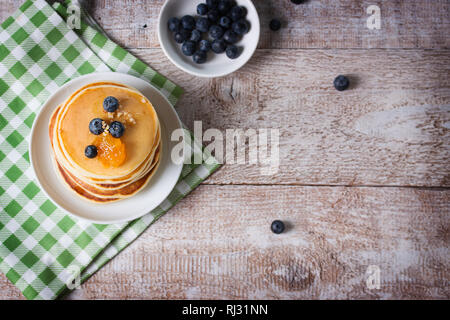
<point>96,179</point>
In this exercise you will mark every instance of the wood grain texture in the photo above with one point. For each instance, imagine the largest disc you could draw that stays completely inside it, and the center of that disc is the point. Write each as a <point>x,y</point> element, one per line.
<point>338,152</point>
<point>333,235</point>
<point>316,24</point>
<point>391,128</point>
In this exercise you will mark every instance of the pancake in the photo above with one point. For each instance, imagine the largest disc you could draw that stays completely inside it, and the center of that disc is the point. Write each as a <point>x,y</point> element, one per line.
<point>124,165</point>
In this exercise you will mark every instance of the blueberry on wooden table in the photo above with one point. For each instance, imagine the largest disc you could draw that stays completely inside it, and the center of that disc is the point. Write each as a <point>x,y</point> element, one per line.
<point>232,51</point>
<point>90,151</point>
<point>225,22</point>
<point>96,126</point>
<point>203,24</point>
<point>275,25</point>
<point>116,129</point>
<point>188,48</point>
<point>205,45</point>
<point>215,31</point>
<point>202,9</point>
<point>199,57</point>
<point>240,27</point>
<point>218,46</point>
<point>341,83</point>
<point>110,104</point>
<point>174,24</point>
<point>277,226</point>
<point>188,22</point>
<point>230,36</point>
<point>196,35</point>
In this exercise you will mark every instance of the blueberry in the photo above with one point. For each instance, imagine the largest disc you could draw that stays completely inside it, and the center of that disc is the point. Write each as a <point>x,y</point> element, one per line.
<point>218,46</point>
<point>240,27</point>
<point>188,48</point>
<point>225,22</point>
<point>297,1</point>
<point>203,25</point>
<point>213,15</point>
<point>202,9</point>
<point>90,151</point>
<point>174,24</point>
<point>277,226</point>
<point>275,25</point>
<point>110,104</point>
<point>188,22</point>
<point>212,4</point>
<point>230,37</point>
<point>196,35</point>
<point>236,13</point>
<point>182,35</point>
<point>341,83</point>
<point>215,32</point>
<point>116,129</point>
<point>244,12</point>
<point>199,57</point>
<point>232,51</point>
<point>224,6</point>
<point>205,45</point>
<point>95,126</point>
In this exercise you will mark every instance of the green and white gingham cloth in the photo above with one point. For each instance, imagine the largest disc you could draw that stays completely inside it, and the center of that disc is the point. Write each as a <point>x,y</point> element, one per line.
<point>41,247</point>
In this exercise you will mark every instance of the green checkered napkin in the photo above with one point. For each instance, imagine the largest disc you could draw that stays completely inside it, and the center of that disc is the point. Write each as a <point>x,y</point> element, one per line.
<point>41,247</point>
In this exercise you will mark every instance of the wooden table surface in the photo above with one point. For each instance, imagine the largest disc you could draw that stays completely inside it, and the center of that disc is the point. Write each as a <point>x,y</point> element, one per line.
<point>364,174</point>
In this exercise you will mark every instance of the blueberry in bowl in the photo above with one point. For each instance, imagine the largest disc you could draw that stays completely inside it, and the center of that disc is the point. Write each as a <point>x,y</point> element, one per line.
<point>196,35</point>
<point>240,27</point>
<point>202,9</point>
<point>218,46</point>
<point>215,31</point>
<point>232,51</point>
<point>230,36</point>
<point>199,57</point>
<point>174,24</point>
<point>204,45</point>
<point>188,48</point>
<point>188,22</point>
<point>229,29</point>
<point>225,22</point>
<point>203,24</point>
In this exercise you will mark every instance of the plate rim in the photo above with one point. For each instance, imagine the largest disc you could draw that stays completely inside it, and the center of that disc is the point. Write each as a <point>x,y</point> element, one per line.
<point>199,74</point>
<point>39,115</point>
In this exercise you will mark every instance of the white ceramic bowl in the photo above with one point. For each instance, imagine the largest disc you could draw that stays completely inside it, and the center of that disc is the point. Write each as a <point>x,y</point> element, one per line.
<point>160,185</point>
<point>217,65</point>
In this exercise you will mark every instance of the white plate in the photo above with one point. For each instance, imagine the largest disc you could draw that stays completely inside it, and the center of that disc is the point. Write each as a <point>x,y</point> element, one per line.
<point>217,65</point>
<point>160,185</point>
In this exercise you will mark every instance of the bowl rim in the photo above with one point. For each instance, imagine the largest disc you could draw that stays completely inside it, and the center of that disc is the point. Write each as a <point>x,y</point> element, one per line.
<point>199,74</point>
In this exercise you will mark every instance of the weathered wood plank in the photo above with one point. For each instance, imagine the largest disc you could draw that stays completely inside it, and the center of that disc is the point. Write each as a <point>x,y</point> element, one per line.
<point>334,234</point>
<point>315,24</point>
<point>391,128</point>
